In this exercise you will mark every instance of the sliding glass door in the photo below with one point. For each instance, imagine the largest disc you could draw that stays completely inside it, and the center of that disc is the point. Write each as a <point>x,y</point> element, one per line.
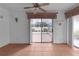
<point>41,30</point>
<point>75,31</point>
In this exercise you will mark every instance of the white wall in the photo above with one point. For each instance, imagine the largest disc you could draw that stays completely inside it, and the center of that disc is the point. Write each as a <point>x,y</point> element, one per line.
<point>4,27</point>
<point>59,33</point>
<point>19,32</point>
<point>12,32</point>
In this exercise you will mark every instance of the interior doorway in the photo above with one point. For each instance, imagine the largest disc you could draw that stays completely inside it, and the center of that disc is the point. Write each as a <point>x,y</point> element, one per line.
<point>41,30</point>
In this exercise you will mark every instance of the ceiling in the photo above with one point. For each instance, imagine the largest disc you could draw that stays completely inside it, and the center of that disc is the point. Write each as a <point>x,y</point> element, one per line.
<point>52,7</point>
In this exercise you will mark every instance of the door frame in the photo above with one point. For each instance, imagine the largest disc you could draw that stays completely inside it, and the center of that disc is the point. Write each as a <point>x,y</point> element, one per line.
<point>41,32</point>
<point>69,31</point>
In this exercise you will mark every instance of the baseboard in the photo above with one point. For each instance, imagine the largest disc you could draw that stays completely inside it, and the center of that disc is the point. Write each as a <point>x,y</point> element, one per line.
<point>20,43</point>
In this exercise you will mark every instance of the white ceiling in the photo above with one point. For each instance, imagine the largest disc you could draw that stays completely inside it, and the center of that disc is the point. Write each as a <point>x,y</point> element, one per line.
<point>52,7</point>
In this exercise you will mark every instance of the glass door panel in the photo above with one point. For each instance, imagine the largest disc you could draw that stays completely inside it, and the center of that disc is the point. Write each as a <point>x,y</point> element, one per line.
<point>46,30</point>
<point>35,30</point>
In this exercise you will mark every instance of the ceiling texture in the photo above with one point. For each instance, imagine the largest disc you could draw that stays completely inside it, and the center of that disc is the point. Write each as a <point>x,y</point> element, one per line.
<point>52,7</point>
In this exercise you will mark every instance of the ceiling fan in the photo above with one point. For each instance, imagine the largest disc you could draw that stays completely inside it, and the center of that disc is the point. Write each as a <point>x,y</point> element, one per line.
<point>38,5</point>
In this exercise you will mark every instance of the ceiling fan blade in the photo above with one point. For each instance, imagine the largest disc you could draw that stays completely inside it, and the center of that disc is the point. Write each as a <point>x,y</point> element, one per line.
<point>42,9</point>
<point>28,7</point>
<point>43,4</point>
